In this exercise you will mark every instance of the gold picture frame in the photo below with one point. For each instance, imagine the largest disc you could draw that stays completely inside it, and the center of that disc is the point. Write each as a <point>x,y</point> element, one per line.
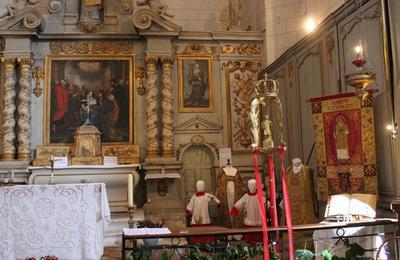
<point>109,77</point>
<point>196,89</point>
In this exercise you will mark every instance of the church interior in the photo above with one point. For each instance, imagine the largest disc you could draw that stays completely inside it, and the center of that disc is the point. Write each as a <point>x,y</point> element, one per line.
<point>199,129</point>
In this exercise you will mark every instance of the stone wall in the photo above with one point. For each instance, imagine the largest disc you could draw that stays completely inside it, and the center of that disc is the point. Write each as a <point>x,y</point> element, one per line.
<point>200,15</point>
<point>253,16</point>
<point>285,21</point>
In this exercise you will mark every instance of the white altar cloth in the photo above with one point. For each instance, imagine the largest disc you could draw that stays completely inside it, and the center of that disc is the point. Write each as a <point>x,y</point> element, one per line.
<point>66,220</point>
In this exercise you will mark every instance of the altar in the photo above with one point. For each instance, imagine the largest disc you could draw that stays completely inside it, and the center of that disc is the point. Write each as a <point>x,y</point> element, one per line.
<point>121,180</point>
<point>67,221</point>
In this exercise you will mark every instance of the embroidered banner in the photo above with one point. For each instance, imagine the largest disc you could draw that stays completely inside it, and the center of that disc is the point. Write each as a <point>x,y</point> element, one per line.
<point>345,144</point>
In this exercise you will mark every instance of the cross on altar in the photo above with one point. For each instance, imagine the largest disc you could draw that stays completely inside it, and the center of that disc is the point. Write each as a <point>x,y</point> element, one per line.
<point>90,101</point>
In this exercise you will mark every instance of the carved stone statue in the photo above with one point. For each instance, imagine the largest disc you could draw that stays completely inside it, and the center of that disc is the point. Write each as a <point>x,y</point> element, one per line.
<point>15,8</point>
<point>156,6</point>
<point>234,14</point>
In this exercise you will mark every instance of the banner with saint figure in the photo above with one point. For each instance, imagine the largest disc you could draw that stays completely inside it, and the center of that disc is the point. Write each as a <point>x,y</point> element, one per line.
<point>345,144</point>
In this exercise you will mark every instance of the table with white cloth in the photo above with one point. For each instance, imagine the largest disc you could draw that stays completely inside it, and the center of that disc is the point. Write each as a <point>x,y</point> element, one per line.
<point>368,237</point>
<point>66,220</point>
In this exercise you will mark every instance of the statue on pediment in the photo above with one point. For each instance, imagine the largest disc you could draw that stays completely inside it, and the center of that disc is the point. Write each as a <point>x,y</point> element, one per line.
<point>153,12</point>
<point>15,8</point>
<point>21,10</point>
<point>156,6</point>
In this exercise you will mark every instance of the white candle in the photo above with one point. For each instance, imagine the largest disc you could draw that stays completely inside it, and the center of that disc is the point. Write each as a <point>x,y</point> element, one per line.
<point>130,191</point>
<point>12,175</point>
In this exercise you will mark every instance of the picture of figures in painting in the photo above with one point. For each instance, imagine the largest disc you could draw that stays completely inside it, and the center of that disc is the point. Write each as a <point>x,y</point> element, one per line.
<point>107,82</point>
<point>196,90</point>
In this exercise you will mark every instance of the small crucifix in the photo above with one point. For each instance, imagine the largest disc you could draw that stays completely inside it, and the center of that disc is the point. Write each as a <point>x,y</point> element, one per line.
<point>90,101</point>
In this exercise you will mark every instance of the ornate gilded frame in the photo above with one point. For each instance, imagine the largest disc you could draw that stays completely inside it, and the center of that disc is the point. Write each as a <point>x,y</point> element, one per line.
<point>100,57</point>
<point>181,61</point>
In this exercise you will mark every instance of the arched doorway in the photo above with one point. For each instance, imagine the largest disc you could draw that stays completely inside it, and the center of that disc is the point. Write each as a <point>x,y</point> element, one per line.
<point>197,164</point>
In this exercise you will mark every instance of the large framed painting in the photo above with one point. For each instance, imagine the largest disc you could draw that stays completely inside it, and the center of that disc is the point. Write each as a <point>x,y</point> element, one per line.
<point>70,80</point>
<point>196,90</point>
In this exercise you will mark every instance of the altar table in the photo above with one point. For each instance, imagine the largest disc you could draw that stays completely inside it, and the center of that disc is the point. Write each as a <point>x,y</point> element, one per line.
<point>66,220</point>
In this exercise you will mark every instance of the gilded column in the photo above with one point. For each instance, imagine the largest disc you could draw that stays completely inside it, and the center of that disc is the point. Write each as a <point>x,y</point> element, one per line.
<point>151,107</point>
<point>8,149</point>
<point>24,109</point>
<point>167,109</point>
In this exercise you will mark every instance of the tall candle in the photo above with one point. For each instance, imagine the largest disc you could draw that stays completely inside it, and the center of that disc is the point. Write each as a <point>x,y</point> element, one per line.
<point>130,191</point>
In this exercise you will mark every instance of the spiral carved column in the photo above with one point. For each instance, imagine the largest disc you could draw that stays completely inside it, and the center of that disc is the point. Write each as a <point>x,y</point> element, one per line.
<point>167,108</point>
<point>151,107</point>
<point>24,109</point>
<point>8,148</point>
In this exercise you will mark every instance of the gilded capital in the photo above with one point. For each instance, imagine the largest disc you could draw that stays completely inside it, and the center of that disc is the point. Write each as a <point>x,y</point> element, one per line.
<point>151,61</point>
<point>167,60</point>
<point>9,61</point>
<point>26,61</point>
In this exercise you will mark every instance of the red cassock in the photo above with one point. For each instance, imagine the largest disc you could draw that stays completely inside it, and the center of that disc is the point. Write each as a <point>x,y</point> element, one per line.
<point>61,102</point>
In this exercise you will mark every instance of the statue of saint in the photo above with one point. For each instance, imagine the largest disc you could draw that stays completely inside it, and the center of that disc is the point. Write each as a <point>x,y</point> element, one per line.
<point>234,14</point>
<point>341,136</point>
<point>267,126</point>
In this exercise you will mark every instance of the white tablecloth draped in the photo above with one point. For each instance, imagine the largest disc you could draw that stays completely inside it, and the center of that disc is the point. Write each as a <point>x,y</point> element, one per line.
<point>66,220</point>
<point>323,239</point>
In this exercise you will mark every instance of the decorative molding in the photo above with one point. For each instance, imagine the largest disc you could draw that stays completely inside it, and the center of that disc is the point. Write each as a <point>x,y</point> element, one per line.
<point>125,6</point>
<point>145,16</point>
<point>346,30</point>
<point>197,140</point>
<point>126,153</point>
<point>196,49</point>
<point>330,45</point>
<point>197,124</point>
<point>228,49</point>
<point>290,74</point>
<point>38,76</point>
<point>140,76</point>
<point>249,49</point>
<point>242,65</point>
<point>55,6</point>
<point>91,47</point>
<point>90,27</point>
<point>313,52</point>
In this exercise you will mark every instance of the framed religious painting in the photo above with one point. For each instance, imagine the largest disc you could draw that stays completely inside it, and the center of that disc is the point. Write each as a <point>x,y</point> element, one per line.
<point>104,79</point>
<point>196,90</point>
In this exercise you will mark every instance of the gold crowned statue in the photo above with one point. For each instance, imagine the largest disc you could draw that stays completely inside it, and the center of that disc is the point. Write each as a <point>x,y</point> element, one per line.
<point>267,97</point>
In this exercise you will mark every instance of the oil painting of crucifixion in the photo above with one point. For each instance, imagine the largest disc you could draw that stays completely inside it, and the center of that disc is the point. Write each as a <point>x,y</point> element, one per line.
<point>107,80</point>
